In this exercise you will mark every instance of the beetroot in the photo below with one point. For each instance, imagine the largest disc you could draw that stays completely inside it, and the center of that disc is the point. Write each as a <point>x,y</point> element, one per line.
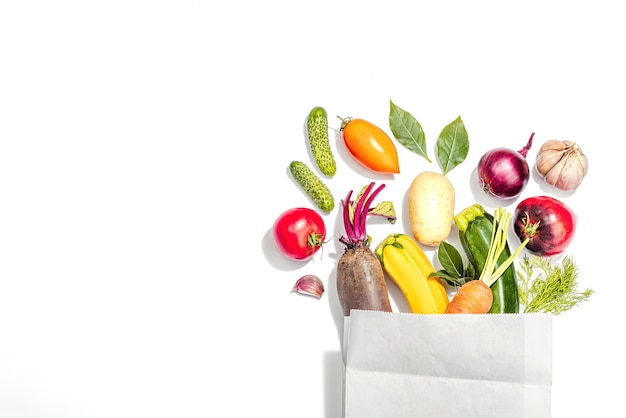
<point>360,276</point>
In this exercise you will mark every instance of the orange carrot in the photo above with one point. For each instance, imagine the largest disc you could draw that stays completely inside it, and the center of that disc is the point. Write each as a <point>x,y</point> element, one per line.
<point>475,296</point>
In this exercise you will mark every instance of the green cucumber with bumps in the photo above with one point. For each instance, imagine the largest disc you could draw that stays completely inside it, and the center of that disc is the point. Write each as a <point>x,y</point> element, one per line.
<point>313,186</point>
<point>317,129</point>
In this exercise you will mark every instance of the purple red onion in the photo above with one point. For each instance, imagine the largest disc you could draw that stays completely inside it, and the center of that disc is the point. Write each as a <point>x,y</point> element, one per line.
<point>504,173</point>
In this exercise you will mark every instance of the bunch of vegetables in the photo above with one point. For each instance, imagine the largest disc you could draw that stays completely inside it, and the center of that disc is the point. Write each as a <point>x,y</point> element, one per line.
<point>484,240</point>
<point>488,277</point>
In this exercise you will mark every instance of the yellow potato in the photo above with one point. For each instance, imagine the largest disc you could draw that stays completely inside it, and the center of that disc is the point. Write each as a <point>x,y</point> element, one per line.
<point>431,208</point>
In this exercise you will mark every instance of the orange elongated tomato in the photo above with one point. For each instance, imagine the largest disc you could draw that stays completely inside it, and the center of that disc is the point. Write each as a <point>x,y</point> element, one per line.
<point>370,146</point>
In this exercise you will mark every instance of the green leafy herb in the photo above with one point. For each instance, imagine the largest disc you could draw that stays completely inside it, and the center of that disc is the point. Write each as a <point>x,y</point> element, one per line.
<point>452,145</point>
<point>453,271</point>
<point>548,287</point>
<point>450,258</point>
<point>407,130</point>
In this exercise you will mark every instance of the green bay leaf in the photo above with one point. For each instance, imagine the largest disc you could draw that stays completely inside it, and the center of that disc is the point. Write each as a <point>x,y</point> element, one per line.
<point>452,145</point>
<point>407,130</point>
<point>450,259</point>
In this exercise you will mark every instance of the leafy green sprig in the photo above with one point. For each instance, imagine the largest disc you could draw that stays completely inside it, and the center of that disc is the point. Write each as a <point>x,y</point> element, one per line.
<point>545,286</point>
<point>454,270</point>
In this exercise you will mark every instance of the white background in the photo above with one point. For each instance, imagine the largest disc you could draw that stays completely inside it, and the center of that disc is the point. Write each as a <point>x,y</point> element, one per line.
<point>144,148</point>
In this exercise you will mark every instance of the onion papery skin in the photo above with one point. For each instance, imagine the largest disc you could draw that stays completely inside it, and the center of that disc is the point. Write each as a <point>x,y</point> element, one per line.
<point>503,173</point>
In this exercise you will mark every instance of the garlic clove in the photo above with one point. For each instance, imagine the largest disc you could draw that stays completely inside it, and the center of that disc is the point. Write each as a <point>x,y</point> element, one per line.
<point>310,285</point>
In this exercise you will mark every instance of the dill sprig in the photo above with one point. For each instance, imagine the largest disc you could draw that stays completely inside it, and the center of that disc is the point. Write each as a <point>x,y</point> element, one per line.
<point>545,286</point>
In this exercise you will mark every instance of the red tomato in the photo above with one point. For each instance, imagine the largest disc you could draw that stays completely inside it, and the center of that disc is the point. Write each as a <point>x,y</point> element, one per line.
<point>299,233</point>
<point>548,224</point>
<point>370,146</point>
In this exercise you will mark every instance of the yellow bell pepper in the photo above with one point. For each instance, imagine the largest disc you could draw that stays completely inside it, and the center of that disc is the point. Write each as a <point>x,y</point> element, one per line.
<point>408,267</point>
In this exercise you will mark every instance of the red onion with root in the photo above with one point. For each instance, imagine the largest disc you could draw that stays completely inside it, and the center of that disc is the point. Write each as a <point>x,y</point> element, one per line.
<point>504,173</point>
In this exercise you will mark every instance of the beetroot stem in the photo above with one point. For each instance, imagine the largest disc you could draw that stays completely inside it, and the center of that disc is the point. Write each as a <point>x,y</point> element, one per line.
<point>367,206</point>
<point>356,230</point>
<point>346,219</point>
<point>360,214</point>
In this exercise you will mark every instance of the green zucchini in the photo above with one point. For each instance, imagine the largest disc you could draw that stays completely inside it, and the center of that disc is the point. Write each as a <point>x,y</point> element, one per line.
<point>475,227</point>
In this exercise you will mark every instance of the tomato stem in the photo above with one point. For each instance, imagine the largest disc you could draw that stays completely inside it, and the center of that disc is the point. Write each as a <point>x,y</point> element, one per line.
<point>315,240</point>
<point>530,229</point>
<point>344,122</point>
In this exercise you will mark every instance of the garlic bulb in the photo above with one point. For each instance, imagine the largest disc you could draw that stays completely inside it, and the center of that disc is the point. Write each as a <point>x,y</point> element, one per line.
<point>562,164</point>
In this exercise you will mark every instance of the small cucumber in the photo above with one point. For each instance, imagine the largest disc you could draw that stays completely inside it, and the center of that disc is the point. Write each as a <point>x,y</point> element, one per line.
<point>475,227</point>
<point>312,185</point>
<point>317,129</point>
